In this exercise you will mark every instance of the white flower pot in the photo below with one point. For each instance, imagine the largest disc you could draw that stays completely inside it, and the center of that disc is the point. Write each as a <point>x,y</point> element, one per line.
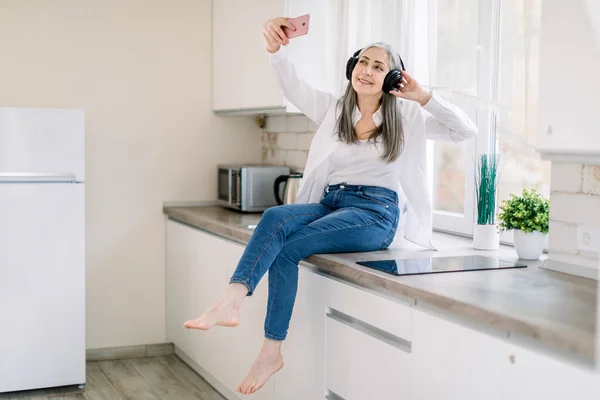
<point>529,245</point>
<point>486,237</point>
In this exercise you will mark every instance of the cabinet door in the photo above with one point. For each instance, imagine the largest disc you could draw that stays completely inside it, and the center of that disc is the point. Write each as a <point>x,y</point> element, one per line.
<point>181,259</point>
<point>242,76</point>
<point>193,285</point>
<point>363,362</point>
<point>573,123</point>
<point>199,266</point>
<point>304,347</point>
<point>455,362</point>
<point>339,332</point>
<point>538,376</point>
<point>368,344</point>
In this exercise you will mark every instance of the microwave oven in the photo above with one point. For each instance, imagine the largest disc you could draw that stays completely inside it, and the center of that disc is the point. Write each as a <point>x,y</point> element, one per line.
<point>248,187</point>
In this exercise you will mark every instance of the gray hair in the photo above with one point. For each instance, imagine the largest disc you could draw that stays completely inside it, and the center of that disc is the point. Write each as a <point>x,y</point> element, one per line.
<point>390,130</point>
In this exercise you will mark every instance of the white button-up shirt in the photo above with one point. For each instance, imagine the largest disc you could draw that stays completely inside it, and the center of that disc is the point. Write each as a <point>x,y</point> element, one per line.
<point>438,119</point>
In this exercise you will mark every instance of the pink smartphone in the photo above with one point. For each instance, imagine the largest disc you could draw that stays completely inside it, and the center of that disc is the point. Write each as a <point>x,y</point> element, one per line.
<point>301,24</point>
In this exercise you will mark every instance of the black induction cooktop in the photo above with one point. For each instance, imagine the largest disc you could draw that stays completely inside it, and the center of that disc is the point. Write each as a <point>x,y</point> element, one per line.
<point>436,265</point>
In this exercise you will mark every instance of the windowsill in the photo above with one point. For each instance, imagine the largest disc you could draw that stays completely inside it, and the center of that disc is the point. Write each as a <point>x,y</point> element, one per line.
<point>450,244</point>
<point>447,236</point>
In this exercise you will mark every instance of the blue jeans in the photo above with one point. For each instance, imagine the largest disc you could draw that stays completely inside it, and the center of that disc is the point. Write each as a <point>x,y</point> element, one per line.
<point>349,218</point>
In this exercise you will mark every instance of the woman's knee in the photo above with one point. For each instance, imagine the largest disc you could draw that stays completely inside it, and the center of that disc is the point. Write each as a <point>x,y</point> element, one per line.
<point>293,252</point>
<point>275,212</point>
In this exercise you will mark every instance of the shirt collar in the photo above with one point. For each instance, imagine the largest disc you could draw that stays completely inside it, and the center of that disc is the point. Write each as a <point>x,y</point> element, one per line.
<point>377,117</point>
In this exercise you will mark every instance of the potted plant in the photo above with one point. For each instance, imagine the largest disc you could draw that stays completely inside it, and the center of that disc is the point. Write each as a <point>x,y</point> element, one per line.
<point>485,231</point>
<point>528,216</point>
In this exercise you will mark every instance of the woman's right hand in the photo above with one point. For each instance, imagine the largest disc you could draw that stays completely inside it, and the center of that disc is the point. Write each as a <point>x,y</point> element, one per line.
<point>274,35</point>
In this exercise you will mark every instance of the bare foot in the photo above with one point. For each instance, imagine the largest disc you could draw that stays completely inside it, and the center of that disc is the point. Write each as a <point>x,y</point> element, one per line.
<point>224,313</point>
<point>220,314</point>
<point>267,363</point>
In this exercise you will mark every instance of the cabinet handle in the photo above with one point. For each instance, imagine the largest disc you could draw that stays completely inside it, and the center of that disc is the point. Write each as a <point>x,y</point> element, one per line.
<point>370,330</point>
<point>333,396</point>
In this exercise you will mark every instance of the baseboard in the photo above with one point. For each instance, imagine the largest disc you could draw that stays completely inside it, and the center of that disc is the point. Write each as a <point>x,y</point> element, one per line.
<point>218,386</point>
<point>118,353</point>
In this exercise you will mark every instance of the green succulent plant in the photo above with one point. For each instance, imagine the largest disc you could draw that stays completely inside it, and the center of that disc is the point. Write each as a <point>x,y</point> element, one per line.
<point>528,212</point>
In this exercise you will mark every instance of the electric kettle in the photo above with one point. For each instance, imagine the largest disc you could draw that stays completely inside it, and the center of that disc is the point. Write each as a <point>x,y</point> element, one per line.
<point>290,190</point>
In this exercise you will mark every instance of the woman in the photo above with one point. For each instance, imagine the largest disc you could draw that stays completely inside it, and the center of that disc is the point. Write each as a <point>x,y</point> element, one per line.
<point>369,145</point>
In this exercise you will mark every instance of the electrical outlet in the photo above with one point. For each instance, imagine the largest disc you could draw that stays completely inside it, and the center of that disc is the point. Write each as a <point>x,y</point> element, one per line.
<point>588,239</point>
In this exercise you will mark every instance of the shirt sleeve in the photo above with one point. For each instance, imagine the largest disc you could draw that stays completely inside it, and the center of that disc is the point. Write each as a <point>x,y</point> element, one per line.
<point>311,102</point>
<point>445,121</point>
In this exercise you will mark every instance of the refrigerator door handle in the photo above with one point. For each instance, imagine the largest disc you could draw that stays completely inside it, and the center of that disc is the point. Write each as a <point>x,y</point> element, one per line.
<point>36,177</point>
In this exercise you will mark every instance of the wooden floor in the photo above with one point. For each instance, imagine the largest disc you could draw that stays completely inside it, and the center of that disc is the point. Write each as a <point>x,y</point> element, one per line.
<point>152,378</point>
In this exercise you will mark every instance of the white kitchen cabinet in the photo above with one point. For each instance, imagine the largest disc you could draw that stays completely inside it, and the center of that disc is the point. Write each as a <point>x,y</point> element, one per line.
<point>368,344</point>
<point>451,361</point>
<point>303,376</point>
<point>363,363</point>
<point>394,317</point>
<point>569,45</point>
<point>346,342</point>
<point>199,266</point>
<point>243,80</point>
<point>537,376</point>
<point>181,259</point>
<point>455,362</point>
<point>340,333</point>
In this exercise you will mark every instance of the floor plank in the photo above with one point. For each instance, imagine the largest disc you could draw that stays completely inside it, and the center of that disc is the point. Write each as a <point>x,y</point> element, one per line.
<point>163,380</point>
<point>98,387</point>
<point>184,372</point>
<point>163,377</point>
<point>92,366</point>
<point>74,396</point>
<point>127,381</point>
<point>170,391</point>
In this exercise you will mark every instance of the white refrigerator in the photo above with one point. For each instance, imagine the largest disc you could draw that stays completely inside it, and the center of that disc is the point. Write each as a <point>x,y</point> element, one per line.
<point>42,248</point>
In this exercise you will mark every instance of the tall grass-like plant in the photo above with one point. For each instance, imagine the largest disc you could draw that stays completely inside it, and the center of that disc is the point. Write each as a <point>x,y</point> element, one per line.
<point>486,185</point>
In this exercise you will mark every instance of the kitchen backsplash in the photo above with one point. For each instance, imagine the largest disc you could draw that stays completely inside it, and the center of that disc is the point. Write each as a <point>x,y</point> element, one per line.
<point>285,140</point>
<point>574,202</point>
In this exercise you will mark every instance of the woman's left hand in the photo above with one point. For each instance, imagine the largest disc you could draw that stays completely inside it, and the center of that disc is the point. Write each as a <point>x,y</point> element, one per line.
<point>411,90</point>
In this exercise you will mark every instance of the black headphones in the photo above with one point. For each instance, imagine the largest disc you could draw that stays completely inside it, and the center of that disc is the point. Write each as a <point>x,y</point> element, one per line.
<point>392,80</point>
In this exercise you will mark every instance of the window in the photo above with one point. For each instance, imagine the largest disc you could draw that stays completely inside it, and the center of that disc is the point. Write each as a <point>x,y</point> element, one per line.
<point>483,56</point>
<point>516,127</point>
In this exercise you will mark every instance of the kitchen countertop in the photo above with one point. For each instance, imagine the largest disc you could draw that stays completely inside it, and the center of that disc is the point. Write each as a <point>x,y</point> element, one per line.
<point>550,310</point>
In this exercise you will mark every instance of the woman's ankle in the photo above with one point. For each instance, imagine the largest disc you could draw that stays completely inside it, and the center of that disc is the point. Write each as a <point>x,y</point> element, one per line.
<point>235,293</point>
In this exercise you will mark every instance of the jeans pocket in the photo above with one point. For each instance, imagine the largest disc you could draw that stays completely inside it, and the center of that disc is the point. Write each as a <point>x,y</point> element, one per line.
<point>374,199</point>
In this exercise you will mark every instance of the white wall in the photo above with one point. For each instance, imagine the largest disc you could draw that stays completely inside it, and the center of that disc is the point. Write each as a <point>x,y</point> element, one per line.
<point>574,203</point>
<point>141,69</point>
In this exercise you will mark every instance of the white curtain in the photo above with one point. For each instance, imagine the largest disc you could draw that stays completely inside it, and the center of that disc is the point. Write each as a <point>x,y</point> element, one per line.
<point>364,22</point>
<point>483,54</point>
<point>445,44</point>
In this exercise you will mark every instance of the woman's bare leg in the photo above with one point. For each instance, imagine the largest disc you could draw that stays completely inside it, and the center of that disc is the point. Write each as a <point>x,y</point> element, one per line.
<point>267,363</point>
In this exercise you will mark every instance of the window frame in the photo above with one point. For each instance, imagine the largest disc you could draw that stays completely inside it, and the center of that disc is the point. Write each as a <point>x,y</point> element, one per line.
<point>486,121</point>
